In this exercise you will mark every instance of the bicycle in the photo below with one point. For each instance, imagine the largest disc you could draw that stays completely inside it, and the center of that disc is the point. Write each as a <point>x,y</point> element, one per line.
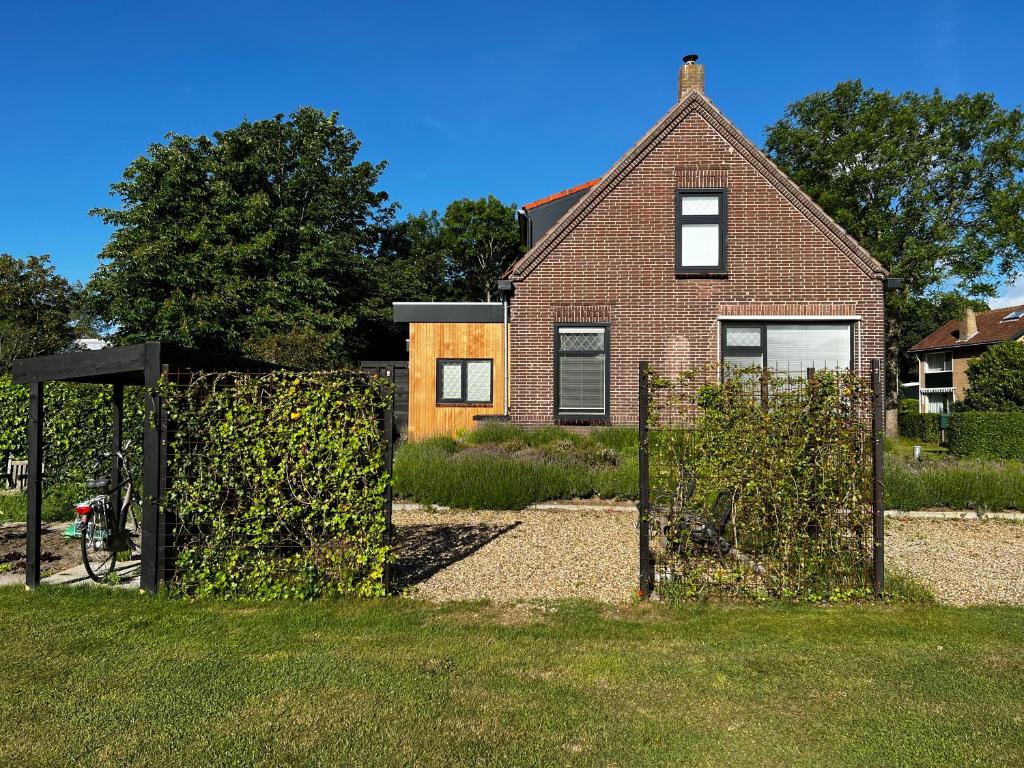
<point>108,534</point>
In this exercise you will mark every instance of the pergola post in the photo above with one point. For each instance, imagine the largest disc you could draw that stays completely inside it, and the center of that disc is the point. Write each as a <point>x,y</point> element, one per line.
<point>151,533</point>
<point>116,421</point>
<point>34,519</point>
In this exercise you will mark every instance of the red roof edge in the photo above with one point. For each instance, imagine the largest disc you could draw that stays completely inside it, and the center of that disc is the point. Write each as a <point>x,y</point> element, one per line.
<point>563,193</point>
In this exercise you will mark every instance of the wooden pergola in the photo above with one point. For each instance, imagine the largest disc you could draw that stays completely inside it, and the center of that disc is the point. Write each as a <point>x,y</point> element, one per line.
<point>135,365</point>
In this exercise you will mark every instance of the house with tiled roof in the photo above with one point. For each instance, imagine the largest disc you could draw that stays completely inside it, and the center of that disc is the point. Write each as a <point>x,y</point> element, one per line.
<point>694,249</point>
<point>943,355</point>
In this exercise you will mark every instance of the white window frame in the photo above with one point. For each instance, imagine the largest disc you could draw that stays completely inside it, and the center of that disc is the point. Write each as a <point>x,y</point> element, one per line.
<point>947,359</point>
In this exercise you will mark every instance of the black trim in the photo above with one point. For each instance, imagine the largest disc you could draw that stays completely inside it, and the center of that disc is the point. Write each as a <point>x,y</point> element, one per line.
<point>762,350</point>
<point>720,219</point>
<point>448,312</point>
<point>441,361</point>
<point>938,379</point>
<point>575,417</point>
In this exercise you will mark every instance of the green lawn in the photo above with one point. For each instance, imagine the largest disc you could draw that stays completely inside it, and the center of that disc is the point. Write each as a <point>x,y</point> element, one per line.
<point>94,678</point>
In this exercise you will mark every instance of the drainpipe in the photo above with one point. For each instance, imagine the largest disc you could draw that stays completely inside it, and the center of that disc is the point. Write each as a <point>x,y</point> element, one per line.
<point>505,288</point>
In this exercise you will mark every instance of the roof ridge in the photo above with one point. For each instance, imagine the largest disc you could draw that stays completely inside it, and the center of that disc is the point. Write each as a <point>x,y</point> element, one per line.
<point>761,162</point>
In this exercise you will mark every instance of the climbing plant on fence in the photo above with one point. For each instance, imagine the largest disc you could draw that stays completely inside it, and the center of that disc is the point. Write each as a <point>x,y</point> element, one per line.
<point>278,484</point>
<point>76,430</point>
<point>794,458</point>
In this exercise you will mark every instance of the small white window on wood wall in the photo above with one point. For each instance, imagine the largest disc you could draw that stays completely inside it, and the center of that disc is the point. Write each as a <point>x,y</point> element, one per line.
<point>464,381</point>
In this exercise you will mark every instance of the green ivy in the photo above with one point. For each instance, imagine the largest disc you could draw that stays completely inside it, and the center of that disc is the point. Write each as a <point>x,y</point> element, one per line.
<point>279,485</point>
<point>795,457</point>
<point>76,427</point>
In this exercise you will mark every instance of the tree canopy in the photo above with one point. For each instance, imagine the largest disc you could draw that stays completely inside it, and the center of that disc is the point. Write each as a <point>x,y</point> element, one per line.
<point>479,240</point>
<point>932,186</point>
<point>257,240</point>
<point>996,379</point>
<point>38,309</point>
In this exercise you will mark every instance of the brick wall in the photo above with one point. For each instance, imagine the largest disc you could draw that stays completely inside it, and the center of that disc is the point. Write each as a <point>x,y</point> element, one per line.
<point>617,265</point>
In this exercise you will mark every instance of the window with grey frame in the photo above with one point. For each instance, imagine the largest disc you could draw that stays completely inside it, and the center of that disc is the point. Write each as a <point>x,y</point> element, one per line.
<point>464,381</point>
<point>700,231</point>
<point>788,347</point>
<point>581,371</point>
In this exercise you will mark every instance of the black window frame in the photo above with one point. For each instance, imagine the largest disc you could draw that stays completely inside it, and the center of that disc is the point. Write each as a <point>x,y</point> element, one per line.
<point>762,350</point>
<point>438,381</point>
<point>721,219</point>
<point>576,417</point>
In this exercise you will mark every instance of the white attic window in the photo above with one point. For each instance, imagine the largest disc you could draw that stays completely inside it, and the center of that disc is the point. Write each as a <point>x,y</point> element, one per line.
<point>1017,314</point>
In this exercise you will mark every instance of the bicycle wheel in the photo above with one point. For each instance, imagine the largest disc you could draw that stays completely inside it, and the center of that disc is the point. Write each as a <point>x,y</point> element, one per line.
<point>99,561</point>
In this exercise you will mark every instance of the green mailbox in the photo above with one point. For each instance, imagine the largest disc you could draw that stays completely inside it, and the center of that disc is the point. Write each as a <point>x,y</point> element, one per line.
<point>943,421</point>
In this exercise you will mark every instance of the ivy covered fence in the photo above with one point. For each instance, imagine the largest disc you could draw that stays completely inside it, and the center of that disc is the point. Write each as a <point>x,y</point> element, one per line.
<point>277,484</point>
<point>761,485</point>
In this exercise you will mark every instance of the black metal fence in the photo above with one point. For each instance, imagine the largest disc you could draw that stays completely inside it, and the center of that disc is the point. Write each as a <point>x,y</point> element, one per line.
<point>761,485</point>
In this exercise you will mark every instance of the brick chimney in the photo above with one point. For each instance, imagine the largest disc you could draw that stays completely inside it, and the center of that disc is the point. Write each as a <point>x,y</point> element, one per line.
<point>691,75</point>
<point>969,325</point>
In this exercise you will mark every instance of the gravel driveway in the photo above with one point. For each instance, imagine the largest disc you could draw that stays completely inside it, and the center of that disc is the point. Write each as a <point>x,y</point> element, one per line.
<point>964,562</point>
<point>515,556</point>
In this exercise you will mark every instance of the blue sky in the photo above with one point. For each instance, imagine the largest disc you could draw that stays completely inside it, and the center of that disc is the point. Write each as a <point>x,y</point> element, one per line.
<point>462,99</point>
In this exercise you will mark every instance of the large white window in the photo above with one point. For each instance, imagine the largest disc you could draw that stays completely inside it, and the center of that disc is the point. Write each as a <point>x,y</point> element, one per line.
<point>788,347</point>
<point>700,243</point>
<point>581,371</point>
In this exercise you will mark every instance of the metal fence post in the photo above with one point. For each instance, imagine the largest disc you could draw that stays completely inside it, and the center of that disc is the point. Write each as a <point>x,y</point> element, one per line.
<point>646,567</point>
<point>878,468</point>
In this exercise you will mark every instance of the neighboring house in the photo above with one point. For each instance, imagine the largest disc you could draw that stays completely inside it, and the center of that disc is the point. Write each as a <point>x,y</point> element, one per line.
<point>943,356</point>
<point>694,249</point>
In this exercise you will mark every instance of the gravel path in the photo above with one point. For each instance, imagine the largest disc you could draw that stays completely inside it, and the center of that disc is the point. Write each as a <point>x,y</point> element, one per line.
<point>964,562</point>
<point>515,556</point>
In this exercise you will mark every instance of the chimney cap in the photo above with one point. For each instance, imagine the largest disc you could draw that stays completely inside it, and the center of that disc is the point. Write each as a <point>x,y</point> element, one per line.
<point>690,58</point>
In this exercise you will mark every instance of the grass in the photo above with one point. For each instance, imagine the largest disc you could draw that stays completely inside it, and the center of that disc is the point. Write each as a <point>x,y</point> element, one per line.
<point>502,466</point>
<point>58,504</point>
<point>98,678</point>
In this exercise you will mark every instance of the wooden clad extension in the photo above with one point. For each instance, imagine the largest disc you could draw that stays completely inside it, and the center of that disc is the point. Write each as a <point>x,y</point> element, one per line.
<point>429,342</point>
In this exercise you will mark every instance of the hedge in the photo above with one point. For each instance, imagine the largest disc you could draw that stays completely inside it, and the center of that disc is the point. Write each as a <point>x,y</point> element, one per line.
<point>920,426</point>
<point>996,434</point>
<point>77,423</point>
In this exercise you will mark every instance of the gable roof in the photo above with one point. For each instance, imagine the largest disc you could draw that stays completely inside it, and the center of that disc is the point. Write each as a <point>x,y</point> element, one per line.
<point>695,101</point>
<point>563,193</point>
<point>992,329</point>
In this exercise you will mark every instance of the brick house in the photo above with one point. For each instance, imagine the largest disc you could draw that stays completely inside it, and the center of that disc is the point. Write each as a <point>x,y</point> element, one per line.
<point>944,354</point>
<point>693,249</point>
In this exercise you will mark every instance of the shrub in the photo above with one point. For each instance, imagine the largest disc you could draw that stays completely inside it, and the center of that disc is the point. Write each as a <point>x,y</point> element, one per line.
<point>996,379</point>
<point>987,433</point>
<point>59,501</point>
<point>278,484</point>
<point>502,466</point>
<point>920,426</point>
<point>980,485</point>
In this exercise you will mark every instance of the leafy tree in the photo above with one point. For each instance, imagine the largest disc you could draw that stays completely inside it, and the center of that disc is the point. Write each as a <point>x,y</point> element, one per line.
<point>996,379</point>
<point>479,240</point>
<point>37,308</point>
<point>932,186</point>
<point>258,240</point>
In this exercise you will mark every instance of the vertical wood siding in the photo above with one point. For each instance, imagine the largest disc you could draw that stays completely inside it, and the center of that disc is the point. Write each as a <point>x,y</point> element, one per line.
<point>430,341</point>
